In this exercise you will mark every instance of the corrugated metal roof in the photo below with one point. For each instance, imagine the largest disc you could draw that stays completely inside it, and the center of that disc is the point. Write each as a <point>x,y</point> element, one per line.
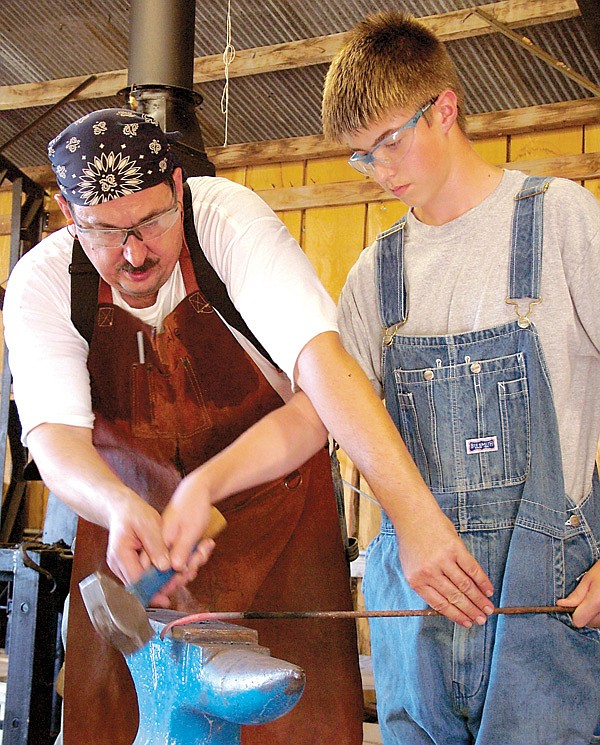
<point>47,40</point>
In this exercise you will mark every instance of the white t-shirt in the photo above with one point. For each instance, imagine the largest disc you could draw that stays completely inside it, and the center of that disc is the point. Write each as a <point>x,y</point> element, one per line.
<point>268,277</point>
<point>457,280</point>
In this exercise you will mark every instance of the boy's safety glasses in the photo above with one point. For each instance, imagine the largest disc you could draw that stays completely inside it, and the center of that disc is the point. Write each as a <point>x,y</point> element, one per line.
<point>391,150</point>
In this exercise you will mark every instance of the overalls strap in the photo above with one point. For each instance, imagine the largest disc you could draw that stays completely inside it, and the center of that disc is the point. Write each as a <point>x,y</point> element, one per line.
<point>393,309</point>
<point>525,272</point>
<point>525,261</point>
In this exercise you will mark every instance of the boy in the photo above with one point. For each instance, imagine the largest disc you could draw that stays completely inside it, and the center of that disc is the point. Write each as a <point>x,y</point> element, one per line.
<point>498,409</point>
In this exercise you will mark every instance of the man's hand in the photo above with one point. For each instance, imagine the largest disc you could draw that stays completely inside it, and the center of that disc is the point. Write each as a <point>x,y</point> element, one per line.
<point>586,598</point>
<point>72,468</point>
<point>135,539</point>
<point>439,568</point>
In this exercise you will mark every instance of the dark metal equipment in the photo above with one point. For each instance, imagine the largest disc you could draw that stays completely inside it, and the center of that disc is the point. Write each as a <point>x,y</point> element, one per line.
<point>161,75</point>
<point>36,582</point>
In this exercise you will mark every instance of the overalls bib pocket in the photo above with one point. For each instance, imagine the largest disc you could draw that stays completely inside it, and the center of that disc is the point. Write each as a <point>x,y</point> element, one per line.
<point>488,444</point>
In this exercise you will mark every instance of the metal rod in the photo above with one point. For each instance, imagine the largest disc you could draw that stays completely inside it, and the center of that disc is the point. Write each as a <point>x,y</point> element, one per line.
<point>254,615</point>
<point>49,111</point>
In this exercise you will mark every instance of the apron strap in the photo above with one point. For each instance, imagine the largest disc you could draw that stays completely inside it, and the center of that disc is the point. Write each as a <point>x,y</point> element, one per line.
<point>84,285</point>
<point>209,282</point>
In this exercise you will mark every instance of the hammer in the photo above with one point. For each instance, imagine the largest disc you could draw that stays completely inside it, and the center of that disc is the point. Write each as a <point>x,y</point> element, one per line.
<point>118,612</point>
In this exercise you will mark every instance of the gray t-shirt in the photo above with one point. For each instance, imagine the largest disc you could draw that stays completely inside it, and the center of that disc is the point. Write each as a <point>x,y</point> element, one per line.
<point>457,281</point>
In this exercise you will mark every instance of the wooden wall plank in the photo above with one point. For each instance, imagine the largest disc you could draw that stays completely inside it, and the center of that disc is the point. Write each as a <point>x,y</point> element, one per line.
<point>232,160</point>
<point>331,170</point>
<point>276,176</point>
<point>591,138</point>
<point>492,149</point>
<point>293,221</point>
<point>333,239</point>
<point>380,215</point>
<point>539,145</point>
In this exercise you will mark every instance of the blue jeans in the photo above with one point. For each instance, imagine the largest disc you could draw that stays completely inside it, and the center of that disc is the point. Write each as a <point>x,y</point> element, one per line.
<point>477,414</point>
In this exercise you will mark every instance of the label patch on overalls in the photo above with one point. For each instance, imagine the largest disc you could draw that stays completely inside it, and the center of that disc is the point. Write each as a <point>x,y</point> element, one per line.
<point>482,445</point>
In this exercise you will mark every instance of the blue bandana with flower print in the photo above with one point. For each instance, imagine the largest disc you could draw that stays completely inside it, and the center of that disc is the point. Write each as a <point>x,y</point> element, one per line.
<point>109,154</point>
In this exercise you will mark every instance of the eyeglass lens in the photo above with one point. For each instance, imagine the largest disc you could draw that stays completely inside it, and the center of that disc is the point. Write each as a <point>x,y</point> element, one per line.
<point>148,230</point>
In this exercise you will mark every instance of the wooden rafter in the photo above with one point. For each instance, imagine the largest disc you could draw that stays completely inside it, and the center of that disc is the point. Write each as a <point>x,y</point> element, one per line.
<point>492,124</point>
<point>455,25</point>
<point>532,48</point>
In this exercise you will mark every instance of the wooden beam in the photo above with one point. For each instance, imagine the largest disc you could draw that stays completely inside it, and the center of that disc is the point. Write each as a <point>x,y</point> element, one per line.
<point>479,126</point>
<point>491,124</point>
<point>531,48</point>
<point>575,167</point>
<point>454,25</point>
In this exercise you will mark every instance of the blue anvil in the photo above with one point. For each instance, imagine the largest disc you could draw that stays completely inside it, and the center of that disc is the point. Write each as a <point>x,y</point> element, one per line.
<point>200,684</point>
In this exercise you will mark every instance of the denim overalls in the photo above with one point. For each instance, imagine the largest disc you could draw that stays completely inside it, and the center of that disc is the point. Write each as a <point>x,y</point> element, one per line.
<point>477,414</point>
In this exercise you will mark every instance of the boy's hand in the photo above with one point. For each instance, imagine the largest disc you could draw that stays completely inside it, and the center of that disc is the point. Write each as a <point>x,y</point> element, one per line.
<point>586,598</point>
<point>439,568</point>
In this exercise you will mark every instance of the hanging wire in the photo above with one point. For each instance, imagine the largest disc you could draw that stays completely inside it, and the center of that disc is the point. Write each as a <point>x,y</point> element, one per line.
<point>360,492</point>
<point>228,57</point>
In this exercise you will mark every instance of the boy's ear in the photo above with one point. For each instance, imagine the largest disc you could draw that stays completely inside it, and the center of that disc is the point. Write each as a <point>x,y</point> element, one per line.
<point>447,105</point>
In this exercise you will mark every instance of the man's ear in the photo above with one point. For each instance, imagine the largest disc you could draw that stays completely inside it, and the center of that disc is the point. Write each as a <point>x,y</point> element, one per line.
<point>64,208</point>
<point>178,181</point>
<point>447,105</point>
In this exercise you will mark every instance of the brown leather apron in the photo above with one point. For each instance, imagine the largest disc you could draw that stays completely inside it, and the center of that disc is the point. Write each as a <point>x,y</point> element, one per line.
<point>197,392</point>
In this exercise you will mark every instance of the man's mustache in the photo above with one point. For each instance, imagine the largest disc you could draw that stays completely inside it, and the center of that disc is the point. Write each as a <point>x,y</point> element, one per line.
<point>130,269</point>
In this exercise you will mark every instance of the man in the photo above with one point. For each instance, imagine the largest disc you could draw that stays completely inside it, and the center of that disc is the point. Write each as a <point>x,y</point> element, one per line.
<point>499,410</point>
<point>165,386</point>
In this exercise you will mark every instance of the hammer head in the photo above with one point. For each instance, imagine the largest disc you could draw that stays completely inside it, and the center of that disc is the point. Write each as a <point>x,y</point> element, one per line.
<point>117,615</point>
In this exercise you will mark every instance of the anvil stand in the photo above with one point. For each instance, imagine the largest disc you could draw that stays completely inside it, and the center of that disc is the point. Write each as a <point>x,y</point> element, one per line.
<point>204,681</point>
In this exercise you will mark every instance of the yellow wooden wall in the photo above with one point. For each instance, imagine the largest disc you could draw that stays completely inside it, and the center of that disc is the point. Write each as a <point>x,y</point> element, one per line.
<point>5,209</point>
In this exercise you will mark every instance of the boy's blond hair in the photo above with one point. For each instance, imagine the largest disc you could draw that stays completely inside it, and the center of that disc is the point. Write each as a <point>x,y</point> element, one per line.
<point>390,61</point>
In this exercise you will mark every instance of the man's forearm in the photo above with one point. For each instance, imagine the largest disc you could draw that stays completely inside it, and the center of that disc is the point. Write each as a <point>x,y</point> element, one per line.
<point>73,470</point>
